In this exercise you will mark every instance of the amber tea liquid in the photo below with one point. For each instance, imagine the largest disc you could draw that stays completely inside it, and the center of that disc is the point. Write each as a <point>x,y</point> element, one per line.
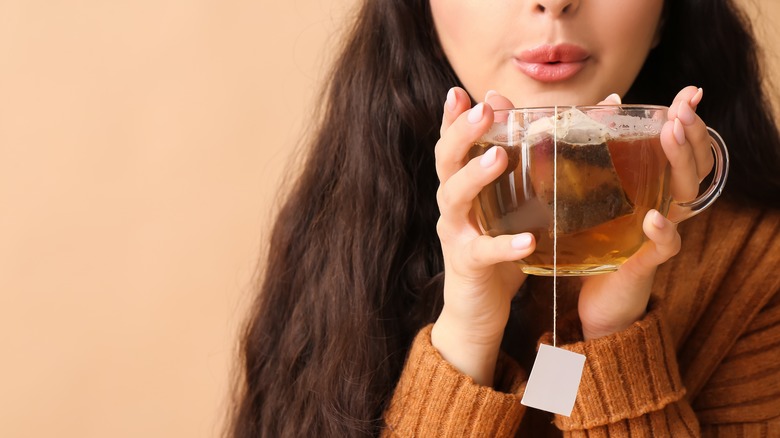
<point>603,195</point>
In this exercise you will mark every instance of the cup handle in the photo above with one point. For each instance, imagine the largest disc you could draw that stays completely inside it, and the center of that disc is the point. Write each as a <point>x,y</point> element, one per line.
<point>679,211</point>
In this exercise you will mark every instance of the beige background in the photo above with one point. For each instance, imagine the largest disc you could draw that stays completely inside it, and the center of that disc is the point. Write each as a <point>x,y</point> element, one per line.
<point>141,143</point>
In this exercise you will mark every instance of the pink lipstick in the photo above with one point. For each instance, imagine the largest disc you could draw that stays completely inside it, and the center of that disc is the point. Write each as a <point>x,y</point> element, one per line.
<point>548,63</point>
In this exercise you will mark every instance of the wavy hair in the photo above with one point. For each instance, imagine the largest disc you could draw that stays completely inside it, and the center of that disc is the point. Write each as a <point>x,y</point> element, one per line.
<point>354,265</point>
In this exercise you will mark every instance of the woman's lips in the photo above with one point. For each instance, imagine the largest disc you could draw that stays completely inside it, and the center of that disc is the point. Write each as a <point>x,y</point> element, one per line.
<point>548,63</point>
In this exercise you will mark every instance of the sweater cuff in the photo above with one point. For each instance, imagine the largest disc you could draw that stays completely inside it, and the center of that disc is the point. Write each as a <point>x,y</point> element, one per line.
<point>432,396</point>
<point>626,375</point>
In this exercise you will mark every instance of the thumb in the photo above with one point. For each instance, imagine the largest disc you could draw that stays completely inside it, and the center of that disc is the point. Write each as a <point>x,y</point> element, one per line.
<point>612,99</point>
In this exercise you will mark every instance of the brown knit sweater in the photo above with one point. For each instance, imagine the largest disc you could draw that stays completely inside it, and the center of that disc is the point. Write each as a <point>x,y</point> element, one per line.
<point>705,361</point>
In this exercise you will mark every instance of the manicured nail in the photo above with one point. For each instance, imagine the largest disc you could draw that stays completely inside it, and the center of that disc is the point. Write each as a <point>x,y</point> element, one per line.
<point>659,220</point>
<point>697,98</point>
<point>522,241</point>
<point>685,114</point>
<point>615,98</point>
<point>476,113</point>
<point>490,94</point>
<point>489,157</point>
<point>679,132</point>
<point>452,99</point>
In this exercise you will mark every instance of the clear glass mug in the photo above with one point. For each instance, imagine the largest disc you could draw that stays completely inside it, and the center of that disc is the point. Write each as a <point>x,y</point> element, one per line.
<point>582,179</point>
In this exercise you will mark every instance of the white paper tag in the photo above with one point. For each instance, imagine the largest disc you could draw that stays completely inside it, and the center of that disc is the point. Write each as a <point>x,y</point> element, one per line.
<point>554,380</point>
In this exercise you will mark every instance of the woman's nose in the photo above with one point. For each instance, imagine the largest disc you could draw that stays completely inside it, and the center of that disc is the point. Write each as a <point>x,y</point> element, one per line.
<point>557,8</point>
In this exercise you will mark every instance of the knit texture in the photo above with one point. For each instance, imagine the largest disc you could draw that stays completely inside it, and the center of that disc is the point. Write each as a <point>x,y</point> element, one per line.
<point>433,397</point>
<point>626,375</point>
<point>704,361</point>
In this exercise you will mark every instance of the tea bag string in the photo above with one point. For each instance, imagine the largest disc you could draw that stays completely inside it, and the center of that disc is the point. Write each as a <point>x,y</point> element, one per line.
<point>555,227</point>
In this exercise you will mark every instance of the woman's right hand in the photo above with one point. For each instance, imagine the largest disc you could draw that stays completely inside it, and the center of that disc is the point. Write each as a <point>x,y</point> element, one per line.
<point>479,276</point>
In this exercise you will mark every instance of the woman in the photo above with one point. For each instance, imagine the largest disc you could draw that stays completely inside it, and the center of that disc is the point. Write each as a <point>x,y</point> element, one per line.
<point>382,311</point>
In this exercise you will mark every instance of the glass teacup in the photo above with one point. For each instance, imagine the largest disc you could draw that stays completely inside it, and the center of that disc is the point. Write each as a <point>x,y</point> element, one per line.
<point>582,179</point>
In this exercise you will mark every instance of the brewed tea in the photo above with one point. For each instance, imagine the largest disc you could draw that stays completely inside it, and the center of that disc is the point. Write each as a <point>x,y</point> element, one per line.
<point>604,192</point>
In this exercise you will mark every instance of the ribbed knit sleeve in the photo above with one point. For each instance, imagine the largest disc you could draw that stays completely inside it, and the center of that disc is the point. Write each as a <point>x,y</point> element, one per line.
<point>433,398</point>
<point>733,352</point>
<point>630,384</point>
<point>742,397</point>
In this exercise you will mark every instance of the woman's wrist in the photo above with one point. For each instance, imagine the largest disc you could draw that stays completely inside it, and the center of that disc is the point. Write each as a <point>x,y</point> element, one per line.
<point>472,354</point>
<point>595,330</point>
<point>590,333</point>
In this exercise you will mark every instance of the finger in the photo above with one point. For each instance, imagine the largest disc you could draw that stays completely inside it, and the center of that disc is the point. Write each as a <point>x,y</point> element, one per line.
<point>698,137</point>
<point>456,196</point>
<point>498,102</point>
<point>664,243</point>
<point>457,102</point>
<point>454,144</point>
<point>689,94</point>
<point>485,251</point>
<point>694,131</point>
<point>684,184</point>
<point>612,99</point>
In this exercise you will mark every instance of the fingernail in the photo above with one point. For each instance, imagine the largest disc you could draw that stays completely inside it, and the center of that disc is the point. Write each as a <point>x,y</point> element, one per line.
<point>489,157</point>
<point>697,98</point>
<point>490,94</point>
<point>659,220</point>
<point>679,132</point>
<point>452,99</point>
<point>522,241</point>
<point>615,98</point>
<point>685,114</point>
<point>476,113</point>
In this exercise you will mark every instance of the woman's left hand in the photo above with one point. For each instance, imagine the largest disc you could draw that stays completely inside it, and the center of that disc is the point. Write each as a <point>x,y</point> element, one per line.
<point>612,302</point>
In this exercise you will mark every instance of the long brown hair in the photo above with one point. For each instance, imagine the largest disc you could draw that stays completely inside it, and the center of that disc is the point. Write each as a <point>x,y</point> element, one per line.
<point>354,265</point>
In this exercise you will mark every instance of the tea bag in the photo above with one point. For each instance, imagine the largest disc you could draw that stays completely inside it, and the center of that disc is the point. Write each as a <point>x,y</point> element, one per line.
<point>589,189</point>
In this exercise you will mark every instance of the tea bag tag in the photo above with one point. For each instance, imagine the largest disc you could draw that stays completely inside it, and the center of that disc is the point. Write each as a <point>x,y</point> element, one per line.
<point>554,380</point>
